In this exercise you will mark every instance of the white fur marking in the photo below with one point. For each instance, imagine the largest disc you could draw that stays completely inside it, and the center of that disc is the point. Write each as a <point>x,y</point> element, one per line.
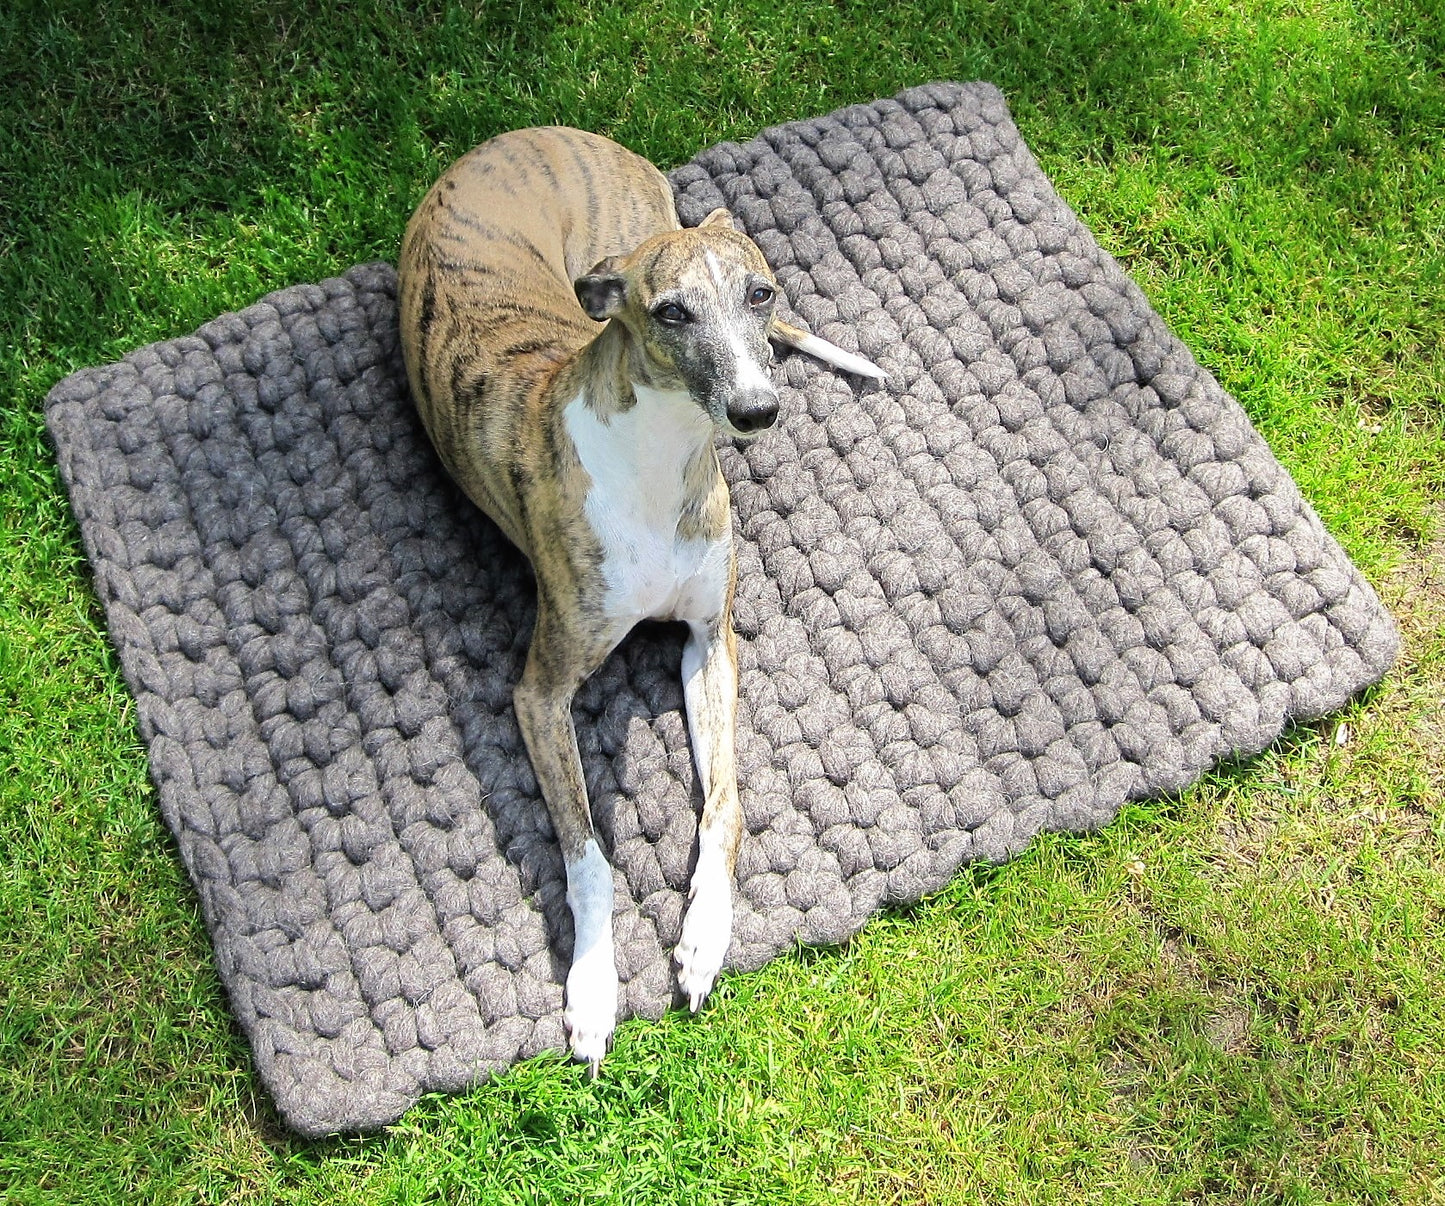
<point>832,354</point>
<point>750,374</point>
<point>714,267</point>
<point>636,462</point>
<point>707,930</point>
<point>591,1012</point>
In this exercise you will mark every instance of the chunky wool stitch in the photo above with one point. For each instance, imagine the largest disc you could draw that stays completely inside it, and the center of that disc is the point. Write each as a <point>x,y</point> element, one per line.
<point>1047,568</point>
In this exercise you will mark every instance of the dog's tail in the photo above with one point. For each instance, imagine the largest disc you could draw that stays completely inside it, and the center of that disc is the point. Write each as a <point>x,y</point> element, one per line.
<point>829,353</point>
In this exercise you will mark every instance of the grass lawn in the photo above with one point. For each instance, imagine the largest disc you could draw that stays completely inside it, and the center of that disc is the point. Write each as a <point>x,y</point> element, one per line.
<point>1234,996</point>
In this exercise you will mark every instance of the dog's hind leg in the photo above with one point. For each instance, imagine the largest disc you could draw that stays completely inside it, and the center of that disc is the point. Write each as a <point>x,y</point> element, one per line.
<point>556,666</point>
<point>710,687</point>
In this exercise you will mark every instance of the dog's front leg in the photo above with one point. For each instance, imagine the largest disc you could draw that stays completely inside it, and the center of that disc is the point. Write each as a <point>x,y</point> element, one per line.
<point>557,662</point>
<point>710,687</point>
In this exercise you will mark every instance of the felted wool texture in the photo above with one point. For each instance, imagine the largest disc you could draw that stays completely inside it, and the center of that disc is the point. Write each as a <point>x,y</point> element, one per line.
<point>1047,568</point>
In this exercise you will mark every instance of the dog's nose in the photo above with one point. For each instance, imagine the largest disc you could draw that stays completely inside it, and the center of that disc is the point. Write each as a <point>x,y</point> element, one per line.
<point>753,411</point>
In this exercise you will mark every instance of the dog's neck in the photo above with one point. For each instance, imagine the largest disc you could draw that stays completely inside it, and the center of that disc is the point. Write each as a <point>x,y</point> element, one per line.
<point>643,439</point>
<point>611,366</point>
<point>654,460</point>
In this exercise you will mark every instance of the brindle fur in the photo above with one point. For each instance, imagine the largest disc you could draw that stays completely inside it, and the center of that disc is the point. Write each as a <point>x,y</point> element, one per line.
<point>493,266</point>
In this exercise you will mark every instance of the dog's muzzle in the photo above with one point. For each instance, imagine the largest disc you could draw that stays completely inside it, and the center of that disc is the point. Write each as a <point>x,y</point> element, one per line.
<point>753,411</point>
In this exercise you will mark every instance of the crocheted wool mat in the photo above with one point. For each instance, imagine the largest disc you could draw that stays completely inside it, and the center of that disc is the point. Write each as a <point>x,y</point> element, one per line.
<point>1047,568</point>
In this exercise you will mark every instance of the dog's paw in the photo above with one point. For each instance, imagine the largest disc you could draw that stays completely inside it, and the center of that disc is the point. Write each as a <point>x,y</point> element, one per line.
<point>591,1013</point>
<point>707,931</point>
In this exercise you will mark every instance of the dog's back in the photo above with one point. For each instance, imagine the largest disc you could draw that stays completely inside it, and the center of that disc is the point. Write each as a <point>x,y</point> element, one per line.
<point>488,311</point>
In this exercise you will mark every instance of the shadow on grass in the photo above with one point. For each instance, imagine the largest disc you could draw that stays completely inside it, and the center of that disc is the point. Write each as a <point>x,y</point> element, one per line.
<point>212,104</point>
<point>168,133</point>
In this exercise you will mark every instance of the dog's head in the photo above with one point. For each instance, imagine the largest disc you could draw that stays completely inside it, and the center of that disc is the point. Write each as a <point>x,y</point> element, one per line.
<point>698,304</point>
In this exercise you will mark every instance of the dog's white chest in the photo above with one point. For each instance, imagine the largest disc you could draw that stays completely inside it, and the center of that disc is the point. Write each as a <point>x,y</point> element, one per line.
<point>636,463</point>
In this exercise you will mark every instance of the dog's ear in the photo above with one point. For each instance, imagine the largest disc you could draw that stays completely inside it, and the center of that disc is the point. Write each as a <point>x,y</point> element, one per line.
<point>718,217</point>
<point>603,290</point>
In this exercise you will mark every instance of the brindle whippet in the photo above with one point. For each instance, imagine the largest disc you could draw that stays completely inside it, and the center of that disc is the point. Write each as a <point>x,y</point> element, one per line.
<point>592,449</point>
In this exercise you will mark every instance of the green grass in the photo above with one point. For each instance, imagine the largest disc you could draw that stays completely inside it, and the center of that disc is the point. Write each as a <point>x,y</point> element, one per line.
<point>1236,996</point>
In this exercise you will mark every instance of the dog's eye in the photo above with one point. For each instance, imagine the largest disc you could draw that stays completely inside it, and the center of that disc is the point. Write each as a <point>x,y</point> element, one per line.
<point>671,313</point>
<point>760,296</point>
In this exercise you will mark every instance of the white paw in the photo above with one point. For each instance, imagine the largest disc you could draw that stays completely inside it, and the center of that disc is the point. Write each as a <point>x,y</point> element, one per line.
<point>591,1013</point>
<point>707,931</point>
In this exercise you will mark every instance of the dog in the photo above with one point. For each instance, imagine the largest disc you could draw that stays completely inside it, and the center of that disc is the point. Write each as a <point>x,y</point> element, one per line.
<point>592,448</point>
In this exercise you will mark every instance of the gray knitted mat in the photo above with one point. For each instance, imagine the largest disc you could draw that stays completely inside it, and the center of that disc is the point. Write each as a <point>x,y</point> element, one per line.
<point>1048,568</point>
